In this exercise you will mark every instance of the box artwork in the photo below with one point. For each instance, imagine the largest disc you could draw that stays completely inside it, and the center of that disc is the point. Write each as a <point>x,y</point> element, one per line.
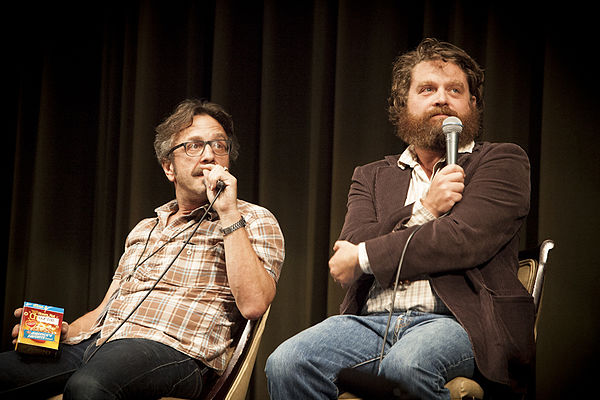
<point>39,333</point>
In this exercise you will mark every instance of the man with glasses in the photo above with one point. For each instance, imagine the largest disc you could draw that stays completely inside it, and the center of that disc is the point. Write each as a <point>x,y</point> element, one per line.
<point>186,280</point>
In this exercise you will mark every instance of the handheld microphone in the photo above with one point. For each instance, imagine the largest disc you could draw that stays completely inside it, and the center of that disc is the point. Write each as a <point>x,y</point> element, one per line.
<point>220,185</point>
<point>452,127</point>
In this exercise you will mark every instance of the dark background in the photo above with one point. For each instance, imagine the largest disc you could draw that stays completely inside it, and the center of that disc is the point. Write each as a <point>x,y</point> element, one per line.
<point>307,84</point>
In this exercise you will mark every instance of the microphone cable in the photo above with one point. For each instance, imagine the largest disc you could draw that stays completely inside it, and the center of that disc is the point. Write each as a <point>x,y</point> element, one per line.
<point>220,187</point>
<point>387,327</point>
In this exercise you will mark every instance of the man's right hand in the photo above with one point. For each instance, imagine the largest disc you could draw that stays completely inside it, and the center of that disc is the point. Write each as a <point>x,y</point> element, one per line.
<point>15,332</point>
<point>445,190</point>
<point>344,266</point>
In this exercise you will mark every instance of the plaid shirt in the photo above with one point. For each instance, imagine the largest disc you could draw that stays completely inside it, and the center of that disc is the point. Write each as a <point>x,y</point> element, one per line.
<point>192,308</point>
<point>416,295</point>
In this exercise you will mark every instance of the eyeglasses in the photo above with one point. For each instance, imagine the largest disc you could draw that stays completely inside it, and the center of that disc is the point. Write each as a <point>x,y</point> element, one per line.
<point>219,147</point>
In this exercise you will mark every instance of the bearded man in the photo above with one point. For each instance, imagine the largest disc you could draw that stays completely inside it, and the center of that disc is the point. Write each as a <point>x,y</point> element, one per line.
<point>428,253</point>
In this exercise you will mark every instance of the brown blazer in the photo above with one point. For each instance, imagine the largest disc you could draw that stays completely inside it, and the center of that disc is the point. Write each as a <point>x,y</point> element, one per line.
<point>469,255</point>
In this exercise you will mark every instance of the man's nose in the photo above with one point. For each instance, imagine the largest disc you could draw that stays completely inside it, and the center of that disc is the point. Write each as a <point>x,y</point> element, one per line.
<point>207,154</point>
<point>441,98</point>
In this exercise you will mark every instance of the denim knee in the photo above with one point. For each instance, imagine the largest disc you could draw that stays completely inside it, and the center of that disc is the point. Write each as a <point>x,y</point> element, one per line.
<point>280,362</point>
<point>85,387</point>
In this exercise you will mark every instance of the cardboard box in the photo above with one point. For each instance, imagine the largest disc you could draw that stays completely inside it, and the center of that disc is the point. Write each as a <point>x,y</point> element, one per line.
<point>39,333</point>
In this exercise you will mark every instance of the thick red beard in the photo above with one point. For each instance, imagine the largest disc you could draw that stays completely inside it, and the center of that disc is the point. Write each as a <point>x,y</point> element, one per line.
<point>424,132</point>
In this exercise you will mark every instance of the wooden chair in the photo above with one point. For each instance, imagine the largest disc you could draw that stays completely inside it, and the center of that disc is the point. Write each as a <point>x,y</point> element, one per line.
<point>233,383</point>
<point>531,273</point>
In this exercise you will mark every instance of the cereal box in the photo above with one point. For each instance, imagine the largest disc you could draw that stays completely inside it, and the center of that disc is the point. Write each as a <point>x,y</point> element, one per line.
<point>39,333</point>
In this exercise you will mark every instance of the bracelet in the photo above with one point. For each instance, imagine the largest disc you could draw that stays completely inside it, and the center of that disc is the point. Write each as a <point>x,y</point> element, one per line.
<point>240,224</point>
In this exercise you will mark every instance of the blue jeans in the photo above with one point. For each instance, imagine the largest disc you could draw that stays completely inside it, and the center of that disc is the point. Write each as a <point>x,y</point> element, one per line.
<point>123,368</point>
<point>423,352</point>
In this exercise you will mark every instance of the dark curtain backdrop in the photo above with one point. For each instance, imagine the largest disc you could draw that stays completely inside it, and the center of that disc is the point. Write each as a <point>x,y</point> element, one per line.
<point>307,84</point>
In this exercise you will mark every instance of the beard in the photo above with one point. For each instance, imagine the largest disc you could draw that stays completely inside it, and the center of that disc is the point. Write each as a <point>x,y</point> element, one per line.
<point>422,131</point>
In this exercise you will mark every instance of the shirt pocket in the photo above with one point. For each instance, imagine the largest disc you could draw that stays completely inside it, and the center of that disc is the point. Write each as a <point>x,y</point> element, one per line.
<point>198,265</point>
<point>132,255</point>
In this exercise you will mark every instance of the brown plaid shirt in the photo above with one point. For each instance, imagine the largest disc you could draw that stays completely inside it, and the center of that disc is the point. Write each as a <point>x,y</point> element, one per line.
<point>192,308</point>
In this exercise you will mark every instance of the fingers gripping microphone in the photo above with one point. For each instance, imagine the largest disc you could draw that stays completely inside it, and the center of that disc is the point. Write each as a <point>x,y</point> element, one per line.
<point>220,185</point>
<point>452,127</point>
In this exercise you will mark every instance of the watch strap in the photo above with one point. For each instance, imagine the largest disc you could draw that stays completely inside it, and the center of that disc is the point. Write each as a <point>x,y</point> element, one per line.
<point>240,224</point>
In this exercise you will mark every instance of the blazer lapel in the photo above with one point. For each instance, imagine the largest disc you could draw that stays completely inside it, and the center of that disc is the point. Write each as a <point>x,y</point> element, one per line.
<point>391,187</point>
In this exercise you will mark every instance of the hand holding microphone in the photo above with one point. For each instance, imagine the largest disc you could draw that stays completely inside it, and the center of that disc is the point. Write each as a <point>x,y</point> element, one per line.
<point>215,176</point>
<point>221,186</point>
<point>448,184</point>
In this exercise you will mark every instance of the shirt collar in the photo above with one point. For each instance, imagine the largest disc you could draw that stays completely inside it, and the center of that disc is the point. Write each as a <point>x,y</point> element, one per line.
<point>409,159</point>
<point>171,207</point>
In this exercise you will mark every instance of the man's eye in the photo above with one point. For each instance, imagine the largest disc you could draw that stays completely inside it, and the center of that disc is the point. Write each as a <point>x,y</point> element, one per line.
<point>196,145</point>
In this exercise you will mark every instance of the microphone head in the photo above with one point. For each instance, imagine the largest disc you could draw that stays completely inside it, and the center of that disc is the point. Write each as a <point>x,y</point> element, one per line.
<point>220,185</point>
<point>452,124</point>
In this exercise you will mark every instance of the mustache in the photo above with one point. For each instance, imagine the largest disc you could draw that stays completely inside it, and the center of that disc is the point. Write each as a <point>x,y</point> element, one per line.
<point>439,110</point>
<point>197,172</point>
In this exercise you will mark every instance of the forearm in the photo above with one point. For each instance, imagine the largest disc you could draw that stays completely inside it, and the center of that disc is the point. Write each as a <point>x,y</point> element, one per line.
<point>81,325</point>
<point>251,285</point>
<point>86,322</point>
<point>363,221</point>
<point>493,207</point>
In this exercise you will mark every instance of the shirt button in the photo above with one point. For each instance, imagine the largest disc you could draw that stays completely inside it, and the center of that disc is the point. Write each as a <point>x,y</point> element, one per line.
<point>121,297</point>
<point>189,252</point>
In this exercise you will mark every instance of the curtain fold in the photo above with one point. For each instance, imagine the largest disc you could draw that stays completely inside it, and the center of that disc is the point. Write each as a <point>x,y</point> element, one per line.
<point>307,84</point>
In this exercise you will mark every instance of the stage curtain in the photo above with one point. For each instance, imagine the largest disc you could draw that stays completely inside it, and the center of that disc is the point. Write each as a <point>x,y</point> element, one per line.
<point>307,83</point>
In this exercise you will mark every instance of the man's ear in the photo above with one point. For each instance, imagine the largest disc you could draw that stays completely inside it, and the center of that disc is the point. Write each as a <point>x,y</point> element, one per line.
<point>169,170</point>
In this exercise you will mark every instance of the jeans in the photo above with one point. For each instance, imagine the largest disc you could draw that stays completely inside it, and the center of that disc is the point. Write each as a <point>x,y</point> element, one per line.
<point>423,352</point>
<point>123,368</point>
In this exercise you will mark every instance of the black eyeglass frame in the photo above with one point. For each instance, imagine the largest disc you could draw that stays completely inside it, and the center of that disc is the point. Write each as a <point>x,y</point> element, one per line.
<point>206,142</point>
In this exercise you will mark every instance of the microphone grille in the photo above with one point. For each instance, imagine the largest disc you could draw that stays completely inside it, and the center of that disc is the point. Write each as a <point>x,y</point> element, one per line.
<point>452,124</point>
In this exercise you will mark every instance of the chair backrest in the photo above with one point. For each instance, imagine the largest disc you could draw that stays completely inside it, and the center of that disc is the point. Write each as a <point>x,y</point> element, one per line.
<point>531,273</point>
<point>233,383</point>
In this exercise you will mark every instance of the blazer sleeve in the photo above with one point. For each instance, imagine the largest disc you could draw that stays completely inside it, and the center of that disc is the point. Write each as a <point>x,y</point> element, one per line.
<point>364,219</point>
<point>494,205</point>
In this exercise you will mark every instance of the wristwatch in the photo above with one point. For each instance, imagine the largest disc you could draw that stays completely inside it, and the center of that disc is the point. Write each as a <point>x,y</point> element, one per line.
<point>240,224</point>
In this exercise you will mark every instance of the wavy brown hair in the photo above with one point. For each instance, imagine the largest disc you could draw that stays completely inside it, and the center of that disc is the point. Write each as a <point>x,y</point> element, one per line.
<point>182,118</point>
<point>430,50</point>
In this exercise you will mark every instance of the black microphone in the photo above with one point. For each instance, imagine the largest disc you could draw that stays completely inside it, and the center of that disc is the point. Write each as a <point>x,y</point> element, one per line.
<point>221,185</point>
<point>370,387</point>
<point>452,127</point>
